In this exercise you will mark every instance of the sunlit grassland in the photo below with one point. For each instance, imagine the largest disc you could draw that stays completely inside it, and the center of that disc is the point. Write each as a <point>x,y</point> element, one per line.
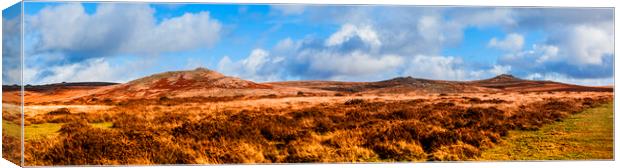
<point>10,129</point>
<point>584,136</point>
<point>458,128</point>
<point>102,125</point>
<point>35,131</point>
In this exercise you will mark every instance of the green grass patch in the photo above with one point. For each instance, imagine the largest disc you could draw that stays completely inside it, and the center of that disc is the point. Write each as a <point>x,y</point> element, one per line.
<point>10,129</point>
<point>102,125</point>
<point>584,136</point>
<point>35,131</point>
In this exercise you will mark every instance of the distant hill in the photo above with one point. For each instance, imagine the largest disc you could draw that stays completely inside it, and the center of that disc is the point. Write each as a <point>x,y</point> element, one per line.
<point>506,82</point>
<point>500,83</point>
<point>203,82</point>
<point>410,84</point>
<point>52,92</point>
<point>56,86</point>
<point>198,82</point>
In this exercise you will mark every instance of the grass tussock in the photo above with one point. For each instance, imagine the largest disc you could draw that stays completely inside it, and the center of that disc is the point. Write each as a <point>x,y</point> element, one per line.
<point>11,148</point>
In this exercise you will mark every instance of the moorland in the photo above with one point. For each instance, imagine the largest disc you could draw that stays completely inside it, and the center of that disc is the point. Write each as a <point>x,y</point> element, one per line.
<point>203,117</point>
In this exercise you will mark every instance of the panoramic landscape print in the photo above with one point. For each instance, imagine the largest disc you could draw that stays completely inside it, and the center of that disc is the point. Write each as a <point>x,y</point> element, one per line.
<point>147,84</point>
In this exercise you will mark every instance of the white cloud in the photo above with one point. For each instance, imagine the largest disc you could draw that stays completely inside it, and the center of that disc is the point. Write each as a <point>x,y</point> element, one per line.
<point>285,45</point>
<point>118,28</point>
<point>380,49</point>
<point>449,68</point>
<point>436,67</point>
<point>95,70</point>
<point>351,53</point>
<point>486,17</point>
<point>11,44</point>
<point>258,66</point>
<point>177,34</point>
<point>257,58</point>
<point>289,9</point>
<point>346,55</point>
<point>430,29</point>
<point>538,55</point>
<point>353,65</point>
<point>348,31</point>
<point>548,59</point>
<point>500,69</point>
<point>65,38</point>
<point>512,42</point>
<point>226,66</point>
<point>586,44</point>
<point>578,44</point>
<point>546,53</point>
<point>372,43</point>
<point>424,34</point>
<point>410,42</point>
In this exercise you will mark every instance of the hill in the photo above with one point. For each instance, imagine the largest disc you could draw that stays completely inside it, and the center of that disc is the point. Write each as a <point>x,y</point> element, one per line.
<point>206,83</point>
<point>51,92</point>
<point>200,82</point>
<point>507,82</point>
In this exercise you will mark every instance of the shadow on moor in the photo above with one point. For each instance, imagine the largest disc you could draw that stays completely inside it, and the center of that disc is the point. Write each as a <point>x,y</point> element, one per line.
<point>203,117</point>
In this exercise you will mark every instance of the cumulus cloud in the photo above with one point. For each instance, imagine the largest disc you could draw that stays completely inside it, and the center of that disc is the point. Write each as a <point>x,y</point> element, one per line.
<point>512,42</point>
<point>436,31</point>
<point>64,38</point>
<point>371,43</point>
<point>11,45</point>
<point>585,45</point>
<point>258,66</point>
<point>436,67</point>
<point>550,59</point>
<point>573,52</point>
<point>449,68</point>
<point>407,31</point>
<point>402,47</point>
<point>578,47</point>
<point>348,31</point>
<point>351,53</point>
<point>117,29</point>
<point>382,42</point>
<point>424,34</point>
<point>499,69</point>
<point>537,54</point>
<point>93,70</point>
<point>350,66</point>
<point>347,54</point>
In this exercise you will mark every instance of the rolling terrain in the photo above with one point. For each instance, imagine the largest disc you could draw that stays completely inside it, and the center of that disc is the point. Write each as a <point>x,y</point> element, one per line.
<point>203,117</point>
<point>206,83</point>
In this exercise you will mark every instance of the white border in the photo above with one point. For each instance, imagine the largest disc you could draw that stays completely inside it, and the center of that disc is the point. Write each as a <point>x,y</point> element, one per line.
<point>515,3</point>
<point>555,3</point>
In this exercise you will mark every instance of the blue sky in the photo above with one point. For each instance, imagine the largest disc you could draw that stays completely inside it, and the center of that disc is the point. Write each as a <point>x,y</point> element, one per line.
<point>122,41</point>
<point>11,42</point>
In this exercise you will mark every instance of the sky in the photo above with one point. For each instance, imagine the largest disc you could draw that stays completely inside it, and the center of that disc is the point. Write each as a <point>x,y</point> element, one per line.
<point>119,42</point>
<point>11,44</point>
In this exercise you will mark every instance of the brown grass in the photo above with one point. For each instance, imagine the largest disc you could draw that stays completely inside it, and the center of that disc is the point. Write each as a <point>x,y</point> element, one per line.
<point>168,131</point>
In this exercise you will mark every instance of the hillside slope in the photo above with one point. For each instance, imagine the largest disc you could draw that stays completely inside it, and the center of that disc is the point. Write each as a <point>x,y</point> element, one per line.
<point>193,83</point>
